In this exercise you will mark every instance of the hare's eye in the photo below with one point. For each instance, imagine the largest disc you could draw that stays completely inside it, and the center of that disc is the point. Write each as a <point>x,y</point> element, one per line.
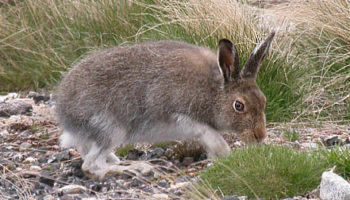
<point>238,106</point>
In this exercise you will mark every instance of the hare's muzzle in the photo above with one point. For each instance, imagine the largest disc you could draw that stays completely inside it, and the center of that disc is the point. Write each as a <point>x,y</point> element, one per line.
<point>256,134</point>
<point>259,133</point>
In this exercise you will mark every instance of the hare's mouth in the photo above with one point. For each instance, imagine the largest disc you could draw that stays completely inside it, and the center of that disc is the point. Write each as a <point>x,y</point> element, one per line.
<point>256,135</point>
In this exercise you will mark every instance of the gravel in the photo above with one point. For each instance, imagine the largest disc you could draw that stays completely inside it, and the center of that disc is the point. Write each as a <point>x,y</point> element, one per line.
<point>34,166</point>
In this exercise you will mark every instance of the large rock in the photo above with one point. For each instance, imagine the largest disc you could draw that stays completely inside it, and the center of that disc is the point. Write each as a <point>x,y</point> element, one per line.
<point>334,187</point>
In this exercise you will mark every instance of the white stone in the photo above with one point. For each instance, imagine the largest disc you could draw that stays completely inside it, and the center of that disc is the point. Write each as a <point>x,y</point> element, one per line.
<point>334,187</point>
<point>35,168</point>
<point>72,189</point>
<point>49,197</point>
<point>8,96</point>
<point>18,157</point>
<point>309,145</point>
<point>25,146</point>
<point>4,133</point>
<point>179,185</point>
<point>160,196</point>
<point>29,160</point>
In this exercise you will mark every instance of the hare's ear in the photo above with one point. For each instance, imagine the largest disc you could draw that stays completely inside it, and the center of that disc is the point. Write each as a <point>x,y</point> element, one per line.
<point>228,60</point>
<point>255,59</point>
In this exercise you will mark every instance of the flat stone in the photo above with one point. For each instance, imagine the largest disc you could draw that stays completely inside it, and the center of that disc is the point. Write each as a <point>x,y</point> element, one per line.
<point>18,108</point>
<point>72,189</point>
<point>8,96</point>
<point>4,133</point>
<point>180,185</point>
<point>24,146</point>
<point>309,145</point>
<point>60,156</point>
<point>49,197</point>
<point>160,196</point>
<point>334,187</point>
<point>39,97</point>
<point>332,141</point>
<point>35,168</point>
<point>156,153</point>
<point>162,183</point>
<point>18,157</point>
<point>29,173</point>
<point>30,160</point>
<point>136,182</point>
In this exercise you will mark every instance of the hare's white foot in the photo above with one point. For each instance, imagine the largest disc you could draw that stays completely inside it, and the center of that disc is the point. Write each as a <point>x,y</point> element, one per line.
<point>136,167</point>
<point>215,144</point>
<point>112,158</point>
<point>99,162</point>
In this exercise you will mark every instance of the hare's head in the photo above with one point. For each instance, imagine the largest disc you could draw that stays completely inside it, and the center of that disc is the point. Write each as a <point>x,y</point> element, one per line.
<point>241,105</point>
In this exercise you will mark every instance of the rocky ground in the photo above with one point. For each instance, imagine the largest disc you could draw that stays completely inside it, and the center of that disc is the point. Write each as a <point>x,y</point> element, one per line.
<point>33,166</point>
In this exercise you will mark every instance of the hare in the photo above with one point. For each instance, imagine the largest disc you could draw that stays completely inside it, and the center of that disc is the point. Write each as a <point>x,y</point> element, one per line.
<point>159,91</point>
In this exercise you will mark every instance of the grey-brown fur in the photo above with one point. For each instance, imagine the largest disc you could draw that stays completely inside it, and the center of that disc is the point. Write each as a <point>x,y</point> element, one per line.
<point>157,91</point>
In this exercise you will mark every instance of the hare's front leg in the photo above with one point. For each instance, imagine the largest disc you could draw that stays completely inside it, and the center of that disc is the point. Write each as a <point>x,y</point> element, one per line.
<point>213,142</point>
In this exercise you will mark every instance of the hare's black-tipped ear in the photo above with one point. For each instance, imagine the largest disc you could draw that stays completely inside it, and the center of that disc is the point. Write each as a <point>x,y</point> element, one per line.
<point>228,60</point>
<point>255,59</point>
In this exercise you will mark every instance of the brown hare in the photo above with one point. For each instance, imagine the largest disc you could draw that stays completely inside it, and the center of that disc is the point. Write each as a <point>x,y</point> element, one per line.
<point>159,91</point>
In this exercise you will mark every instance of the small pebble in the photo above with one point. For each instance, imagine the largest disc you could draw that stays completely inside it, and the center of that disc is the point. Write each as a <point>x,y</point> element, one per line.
<point>72,189</point>
<point>18,157</point>
<point>30,160</point>
<point>35,168</point>
<point>332,141</point>
<point>309,145</point>
<point>49,197</point>
<point>4,133</point>
<point>25,146</point>
<point>160,196</point>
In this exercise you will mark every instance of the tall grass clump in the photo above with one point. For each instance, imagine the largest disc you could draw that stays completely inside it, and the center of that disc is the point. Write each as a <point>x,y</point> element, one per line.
<point>339,157</point>
<point>321,38</point>
<point>40,39</point>
<point>269,172</point>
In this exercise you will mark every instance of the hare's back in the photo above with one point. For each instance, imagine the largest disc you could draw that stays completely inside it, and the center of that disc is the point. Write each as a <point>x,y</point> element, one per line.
<point>132,80</point>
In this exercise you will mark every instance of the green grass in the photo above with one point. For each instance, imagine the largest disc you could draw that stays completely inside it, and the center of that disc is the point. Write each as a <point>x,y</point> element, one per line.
<point>124,150</point>
<point>339,157</point>
<point>291,135</point>
<point>270,172</point>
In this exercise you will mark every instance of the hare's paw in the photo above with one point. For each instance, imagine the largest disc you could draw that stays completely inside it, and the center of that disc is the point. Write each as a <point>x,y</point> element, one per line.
<point>136,167</point>
<point>215,144</point>
<point>112,159</point>
<point>99,171</point>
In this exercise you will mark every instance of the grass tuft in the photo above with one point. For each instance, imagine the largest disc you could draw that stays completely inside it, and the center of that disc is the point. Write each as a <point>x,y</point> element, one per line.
<point>270,172</point>
<point>339,157</point>
<point>291,135</point>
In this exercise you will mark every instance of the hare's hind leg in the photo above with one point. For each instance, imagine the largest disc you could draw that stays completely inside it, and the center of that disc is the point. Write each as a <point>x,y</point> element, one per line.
<point>99,161</point>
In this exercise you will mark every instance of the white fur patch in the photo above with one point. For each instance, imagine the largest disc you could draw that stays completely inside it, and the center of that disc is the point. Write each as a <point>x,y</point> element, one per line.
<point>67,140</point>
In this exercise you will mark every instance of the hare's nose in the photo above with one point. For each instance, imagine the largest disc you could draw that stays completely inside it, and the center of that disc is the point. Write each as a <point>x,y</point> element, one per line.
<point>260,133</point>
